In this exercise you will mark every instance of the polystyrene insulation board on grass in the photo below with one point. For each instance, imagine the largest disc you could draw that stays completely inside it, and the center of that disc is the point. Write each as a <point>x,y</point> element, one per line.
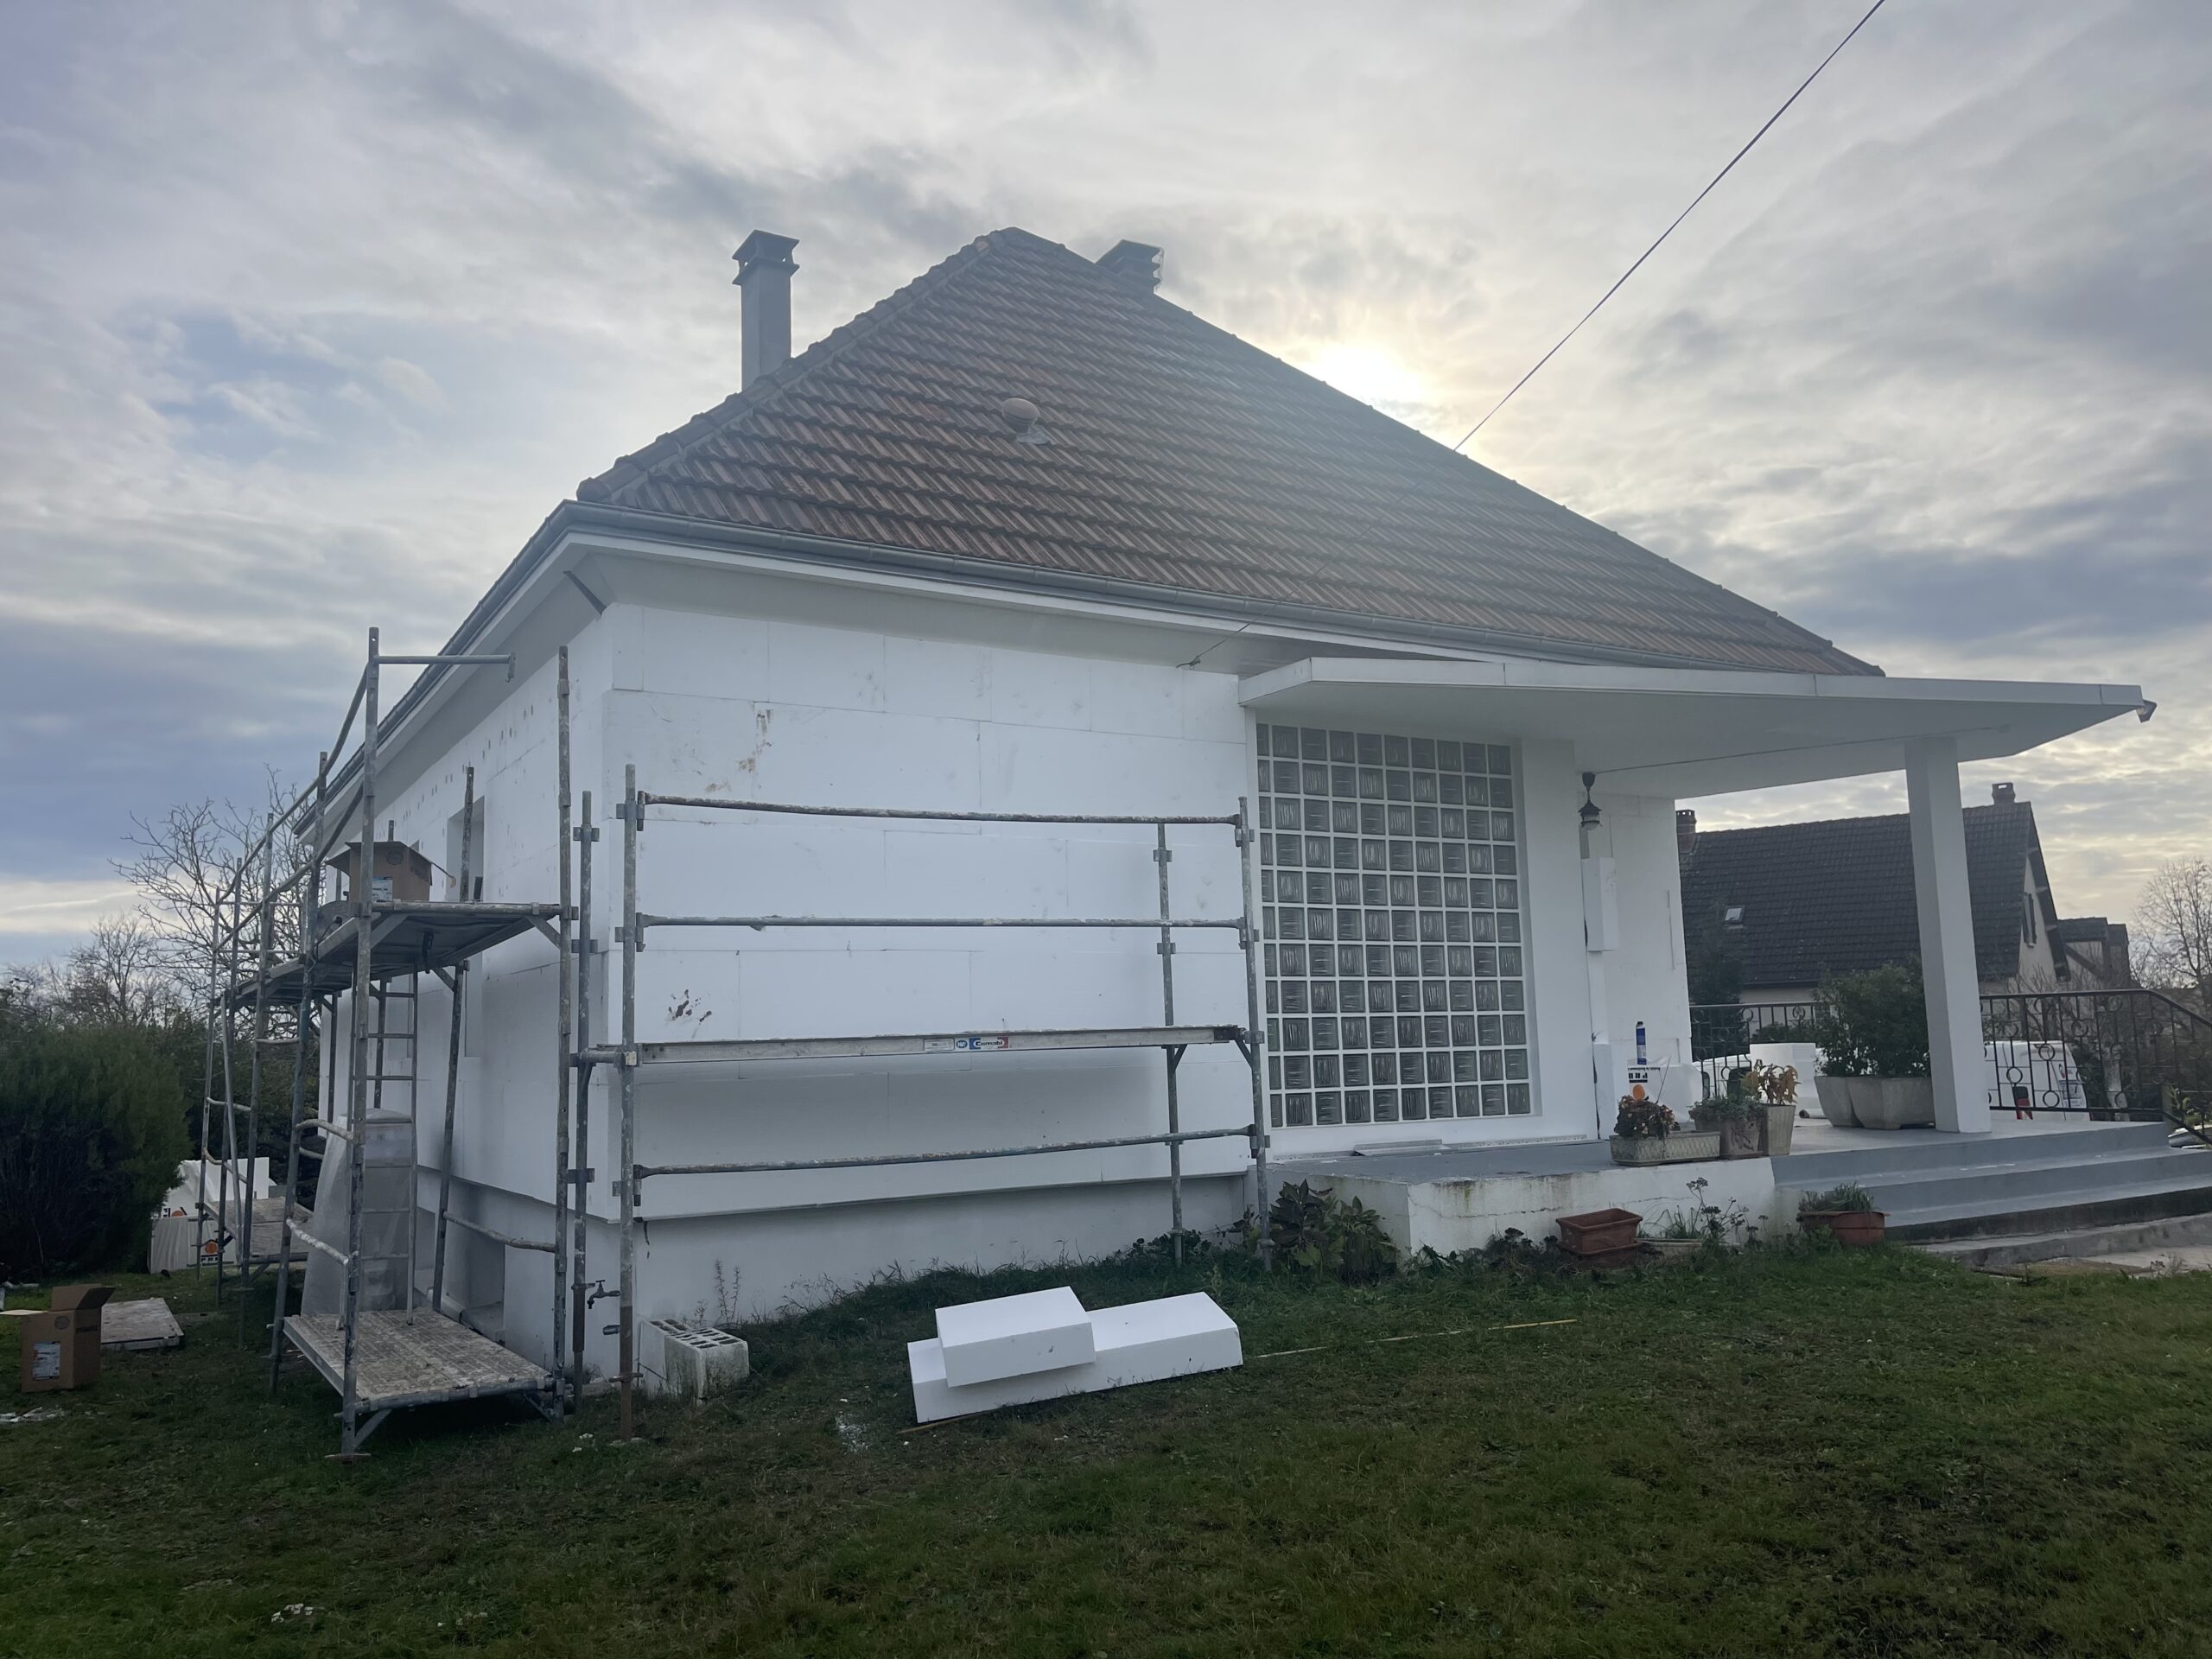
<point>1140,1342</point>
<point>1013,1336</point>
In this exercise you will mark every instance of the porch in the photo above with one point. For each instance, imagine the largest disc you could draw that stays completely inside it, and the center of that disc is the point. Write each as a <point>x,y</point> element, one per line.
<point>1603,753</point>
<point>2049,1172</point>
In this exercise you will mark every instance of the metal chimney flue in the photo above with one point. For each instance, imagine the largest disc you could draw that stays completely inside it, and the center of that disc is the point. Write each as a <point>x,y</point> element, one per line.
<point>764,273</point>
<point>1134,263</point>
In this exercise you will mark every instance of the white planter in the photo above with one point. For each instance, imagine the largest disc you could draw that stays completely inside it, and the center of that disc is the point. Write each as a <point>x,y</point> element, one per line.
<point>1878,1103</point>
<point>1683,1146</point>
<point>1781,1128</point>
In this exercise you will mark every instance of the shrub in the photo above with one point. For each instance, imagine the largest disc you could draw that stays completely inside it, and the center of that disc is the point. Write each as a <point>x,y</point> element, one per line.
<point>92,1129</point>
<point>1806,1029</point>
<point>1874,1024</point>
<point>1321,1233</point>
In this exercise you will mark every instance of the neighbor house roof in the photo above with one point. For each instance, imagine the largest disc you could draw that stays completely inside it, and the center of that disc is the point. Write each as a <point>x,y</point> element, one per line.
<point>1175,457</point>
<point>1837,896</point>
<point>2081,930</point>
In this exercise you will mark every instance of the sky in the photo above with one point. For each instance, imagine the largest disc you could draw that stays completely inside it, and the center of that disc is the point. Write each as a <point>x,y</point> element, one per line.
<point>309,313</point>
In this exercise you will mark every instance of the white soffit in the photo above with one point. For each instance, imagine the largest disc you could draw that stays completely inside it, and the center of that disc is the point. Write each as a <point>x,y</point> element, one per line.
<point>1689,732</point>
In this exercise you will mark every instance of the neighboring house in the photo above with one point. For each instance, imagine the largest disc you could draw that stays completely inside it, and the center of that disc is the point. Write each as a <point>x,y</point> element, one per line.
<point>1793,904</point>
<point>2096,952</point>
<point>1027,537</point>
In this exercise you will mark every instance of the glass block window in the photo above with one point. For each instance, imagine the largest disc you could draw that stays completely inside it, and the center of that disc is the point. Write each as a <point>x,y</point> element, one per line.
<point>1392,929</point>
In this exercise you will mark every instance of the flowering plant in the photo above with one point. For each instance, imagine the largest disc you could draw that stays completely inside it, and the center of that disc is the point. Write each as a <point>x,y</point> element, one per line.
<point>1641,1119</point>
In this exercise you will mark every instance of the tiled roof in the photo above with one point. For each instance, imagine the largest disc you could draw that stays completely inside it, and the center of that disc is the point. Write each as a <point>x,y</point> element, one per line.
<point>1179,457</point>
<point>1838,896</point>
<point>2081,930</point>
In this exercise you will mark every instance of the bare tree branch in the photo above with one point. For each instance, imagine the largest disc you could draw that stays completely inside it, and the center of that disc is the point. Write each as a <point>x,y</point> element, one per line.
<point>2172,930</point>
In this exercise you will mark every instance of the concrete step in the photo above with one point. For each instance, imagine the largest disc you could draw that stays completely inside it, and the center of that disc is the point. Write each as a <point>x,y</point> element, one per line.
<point>1914,1150</point>
<point>2087,1206</point>
<point>1937,1189</point>
<point>2010,1249</point>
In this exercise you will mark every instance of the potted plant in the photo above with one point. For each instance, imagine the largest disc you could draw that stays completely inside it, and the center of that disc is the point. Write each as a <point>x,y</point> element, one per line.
<point>1601,1237</point>
<point>1645,1132</point>
<point>1775,1088</point>
<point>1873,1040</point>
<point>1734,1113</point>
<point>1701,1224</point>
<point>1846,1213</point>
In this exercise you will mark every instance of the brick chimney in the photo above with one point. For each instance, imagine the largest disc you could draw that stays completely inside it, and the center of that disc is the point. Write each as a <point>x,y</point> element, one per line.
<point>1685,836</point>
<point>2001,794</point>
<point>1136,262</point>
<point>764,273</point>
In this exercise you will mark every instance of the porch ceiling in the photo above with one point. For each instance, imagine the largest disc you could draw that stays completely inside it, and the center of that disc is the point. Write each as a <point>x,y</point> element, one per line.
<point>1691,732</point>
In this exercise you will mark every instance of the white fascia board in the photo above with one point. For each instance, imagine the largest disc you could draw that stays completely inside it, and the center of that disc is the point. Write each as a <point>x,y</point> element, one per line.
<point>1690,732</point>
<point>1536,675</point>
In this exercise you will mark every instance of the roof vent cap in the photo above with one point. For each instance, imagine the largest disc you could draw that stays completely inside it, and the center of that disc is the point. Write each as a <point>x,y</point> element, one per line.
<point>1020,417</point>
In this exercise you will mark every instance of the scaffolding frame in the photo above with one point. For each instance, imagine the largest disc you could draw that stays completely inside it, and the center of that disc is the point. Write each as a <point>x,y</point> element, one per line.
<point>350,950</point>
<point>377,1360</point>
<point>628,1056</point>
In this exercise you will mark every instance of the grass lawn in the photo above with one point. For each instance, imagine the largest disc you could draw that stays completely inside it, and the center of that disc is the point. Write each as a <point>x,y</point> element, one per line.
<point>1786,1453</point>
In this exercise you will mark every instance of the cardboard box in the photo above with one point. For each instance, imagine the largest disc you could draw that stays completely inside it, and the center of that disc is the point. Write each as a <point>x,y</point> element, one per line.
<point>61,1347</point>
<point>399,874</point>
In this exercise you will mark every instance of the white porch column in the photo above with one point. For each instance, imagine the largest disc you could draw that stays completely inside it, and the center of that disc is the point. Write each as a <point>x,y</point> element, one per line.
<point>1947,955</point>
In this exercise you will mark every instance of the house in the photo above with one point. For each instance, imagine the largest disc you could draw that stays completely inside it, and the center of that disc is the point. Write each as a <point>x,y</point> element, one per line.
<point>1790,904</point>
<point>2096,952</point>
<point>1027,538</point>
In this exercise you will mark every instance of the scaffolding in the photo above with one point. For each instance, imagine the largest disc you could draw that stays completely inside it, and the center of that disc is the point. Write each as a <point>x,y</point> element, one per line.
<point>369,954</point>
<point>373,951</point>
<point>629,1056</point>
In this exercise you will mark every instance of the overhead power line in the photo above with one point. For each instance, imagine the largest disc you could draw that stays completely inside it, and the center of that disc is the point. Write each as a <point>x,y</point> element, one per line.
<point>1678,219</point>
<point>1619,282</point>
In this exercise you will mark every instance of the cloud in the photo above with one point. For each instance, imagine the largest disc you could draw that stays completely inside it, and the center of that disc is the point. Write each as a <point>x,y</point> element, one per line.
<point>43,918</point>
<point>410,381</point>
<point>291,293</point>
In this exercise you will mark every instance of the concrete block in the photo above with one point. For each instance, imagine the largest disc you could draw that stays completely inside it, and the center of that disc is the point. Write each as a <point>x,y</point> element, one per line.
<point>1142,1342</point>
<point>695,1358</point>
<point>1013,1336</point>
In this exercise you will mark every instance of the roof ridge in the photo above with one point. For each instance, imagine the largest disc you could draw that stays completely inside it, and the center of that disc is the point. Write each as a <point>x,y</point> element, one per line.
<point>1295,492</point>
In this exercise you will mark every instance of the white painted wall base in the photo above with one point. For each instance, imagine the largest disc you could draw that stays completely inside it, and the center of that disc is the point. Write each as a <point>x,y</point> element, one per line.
<point>1446,1215</point>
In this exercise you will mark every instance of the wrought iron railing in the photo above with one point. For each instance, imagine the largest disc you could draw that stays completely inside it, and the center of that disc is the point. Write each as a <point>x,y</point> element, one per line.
<point>1723,1032</point>
<point>2131,1054</point>
<point>2112,1055</point>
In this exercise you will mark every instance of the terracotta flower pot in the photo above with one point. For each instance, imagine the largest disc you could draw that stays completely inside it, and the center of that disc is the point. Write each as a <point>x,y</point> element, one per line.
<point>1853,1229</point>
<point>1599,1232</point>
